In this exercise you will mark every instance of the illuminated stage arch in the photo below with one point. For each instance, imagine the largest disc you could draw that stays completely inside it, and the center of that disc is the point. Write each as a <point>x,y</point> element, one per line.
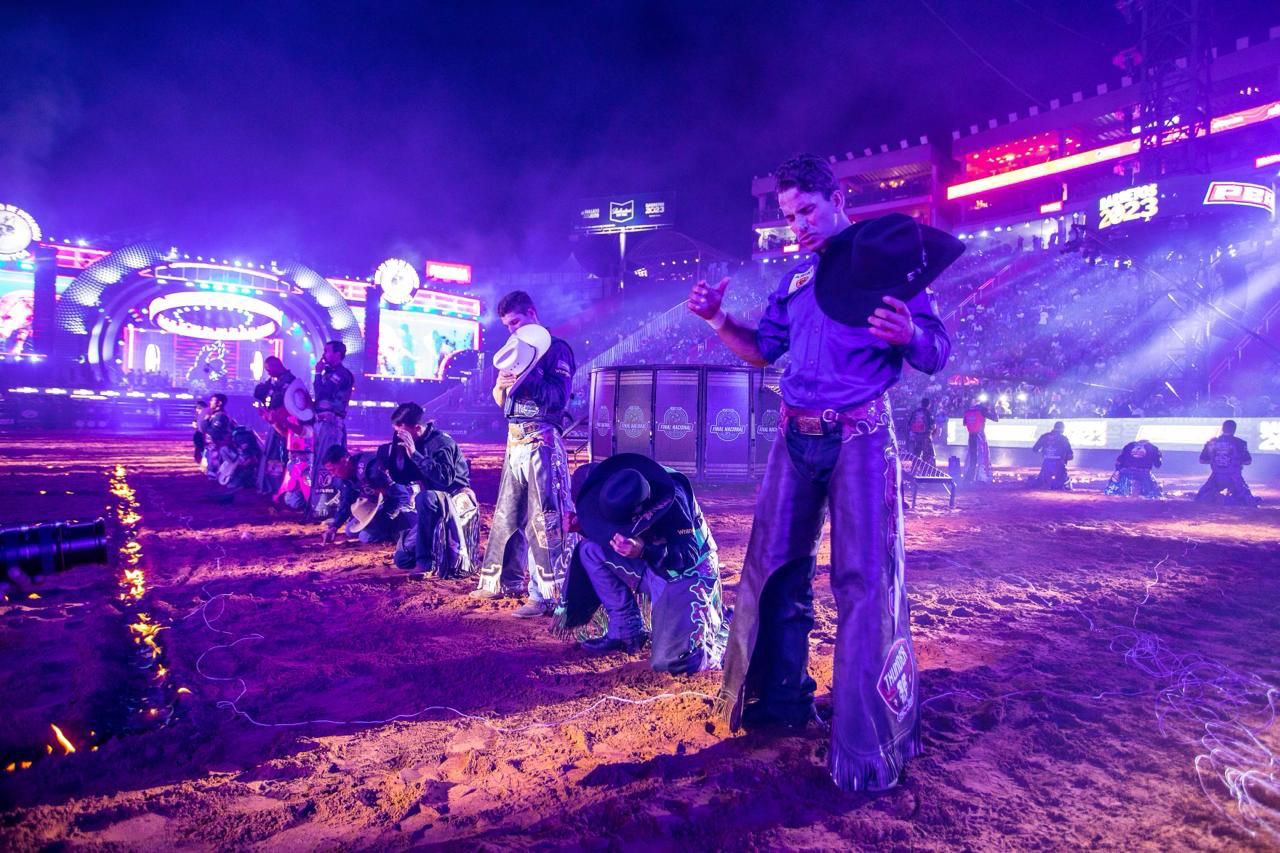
<point>105,297</point>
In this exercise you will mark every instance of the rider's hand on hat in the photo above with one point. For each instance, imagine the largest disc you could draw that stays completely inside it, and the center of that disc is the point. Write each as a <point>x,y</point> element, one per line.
<point>406,441</point>
<point>505,380</point>
<point>626,547</point>
<point>705,301</point>
<point>893,324</point>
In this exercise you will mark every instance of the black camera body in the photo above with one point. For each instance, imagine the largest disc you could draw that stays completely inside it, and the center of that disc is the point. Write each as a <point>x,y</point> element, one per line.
<point>52,547</point>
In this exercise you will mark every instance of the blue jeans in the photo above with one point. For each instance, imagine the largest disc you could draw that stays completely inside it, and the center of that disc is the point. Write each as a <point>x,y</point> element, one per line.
<point>384,528</point>
<point>615,580</point>
<point>875,709</point>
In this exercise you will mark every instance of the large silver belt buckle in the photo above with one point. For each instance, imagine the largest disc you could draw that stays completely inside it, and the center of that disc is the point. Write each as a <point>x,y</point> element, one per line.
<point>808,424</point>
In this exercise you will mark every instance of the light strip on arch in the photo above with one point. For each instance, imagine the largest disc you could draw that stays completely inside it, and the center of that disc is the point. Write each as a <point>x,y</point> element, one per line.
<point>215,299</point>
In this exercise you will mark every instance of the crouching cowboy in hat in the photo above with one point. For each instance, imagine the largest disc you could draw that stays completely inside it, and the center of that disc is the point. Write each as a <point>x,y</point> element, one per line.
<point>849,320</point>
<point>369,504</point>
<point>530,520</point>
<point>444,540</point>
<point>644,534</point>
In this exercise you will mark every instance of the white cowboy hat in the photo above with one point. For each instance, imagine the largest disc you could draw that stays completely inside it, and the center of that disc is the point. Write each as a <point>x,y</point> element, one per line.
<point>297,402</point>
<point>226,471</point>
<point>522,350</point>
<point>362,512</point>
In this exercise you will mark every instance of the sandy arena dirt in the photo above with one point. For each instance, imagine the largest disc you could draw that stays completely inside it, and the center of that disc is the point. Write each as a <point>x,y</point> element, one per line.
<point>1089,669</point>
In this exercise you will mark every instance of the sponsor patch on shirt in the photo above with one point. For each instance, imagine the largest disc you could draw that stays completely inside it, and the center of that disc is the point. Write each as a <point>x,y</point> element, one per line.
<point>799,280</point>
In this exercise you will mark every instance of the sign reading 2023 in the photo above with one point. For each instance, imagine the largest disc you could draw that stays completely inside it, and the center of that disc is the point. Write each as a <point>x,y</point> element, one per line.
<point>1129,205</point>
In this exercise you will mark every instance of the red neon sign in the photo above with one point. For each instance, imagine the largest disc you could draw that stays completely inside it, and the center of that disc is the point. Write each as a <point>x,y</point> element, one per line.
<point>1051,207</point>
<point>1128,148</point>
<point>75,257</point>
<point>1266,160</point>
<point>1054,167</point>
<point>452,273</point>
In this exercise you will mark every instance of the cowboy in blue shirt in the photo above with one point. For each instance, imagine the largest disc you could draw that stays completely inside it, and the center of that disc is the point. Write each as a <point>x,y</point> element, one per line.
<point>850,320</point>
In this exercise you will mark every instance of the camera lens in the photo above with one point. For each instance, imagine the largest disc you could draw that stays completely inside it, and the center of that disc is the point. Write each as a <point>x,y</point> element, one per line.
<point>42,549</point>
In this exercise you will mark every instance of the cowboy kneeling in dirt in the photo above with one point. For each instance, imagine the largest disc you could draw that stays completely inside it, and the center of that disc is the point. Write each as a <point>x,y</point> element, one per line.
<point>645,537</point>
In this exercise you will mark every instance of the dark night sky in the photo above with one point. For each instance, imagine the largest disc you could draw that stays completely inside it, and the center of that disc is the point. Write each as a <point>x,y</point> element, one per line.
<point>339,135</point>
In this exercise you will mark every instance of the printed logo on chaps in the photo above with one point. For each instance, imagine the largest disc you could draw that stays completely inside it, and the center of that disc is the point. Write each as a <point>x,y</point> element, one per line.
<point>897,684</point>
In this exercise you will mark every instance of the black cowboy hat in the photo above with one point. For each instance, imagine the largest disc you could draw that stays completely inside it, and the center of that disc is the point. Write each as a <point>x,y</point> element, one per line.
<point>374,474</point>
<point>889,256</point>
<point>579,478</point>
<point>625,494</point>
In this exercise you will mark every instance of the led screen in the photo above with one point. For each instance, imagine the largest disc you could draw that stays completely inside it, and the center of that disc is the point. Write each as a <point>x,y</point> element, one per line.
<point>17,310</point>
<point>416,345</point>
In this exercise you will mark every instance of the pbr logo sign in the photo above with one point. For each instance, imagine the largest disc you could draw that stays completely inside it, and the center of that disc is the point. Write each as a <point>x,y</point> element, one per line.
<point>675,423</point>
<point>604,423</point>
<point>634,423</point>
<point>728,425</point>
<point>622,211</point>
<point>1246,195</point>
<point>897,684</point>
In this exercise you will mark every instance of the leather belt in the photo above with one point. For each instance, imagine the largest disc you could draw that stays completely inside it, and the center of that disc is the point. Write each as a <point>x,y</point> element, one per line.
<point>862,419</point>
<point>522,432</point>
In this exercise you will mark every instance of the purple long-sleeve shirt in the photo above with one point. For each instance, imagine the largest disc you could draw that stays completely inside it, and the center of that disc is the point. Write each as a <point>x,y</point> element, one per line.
<point>834,366</point>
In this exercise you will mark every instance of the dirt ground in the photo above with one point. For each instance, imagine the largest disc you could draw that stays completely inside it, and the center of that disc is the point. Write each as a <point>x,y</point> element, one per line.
<point>1096,673</point>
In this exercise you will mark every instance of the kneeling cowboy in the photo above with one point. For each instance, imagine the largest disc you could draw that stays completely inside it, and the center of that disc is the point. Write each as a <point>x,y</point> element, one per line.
<point>645,535</point>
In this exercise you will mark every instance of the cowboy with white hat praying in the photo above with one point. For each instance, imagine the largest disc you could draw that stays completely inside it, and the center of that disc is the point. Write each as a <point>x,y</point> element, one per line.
<point>535,372</point>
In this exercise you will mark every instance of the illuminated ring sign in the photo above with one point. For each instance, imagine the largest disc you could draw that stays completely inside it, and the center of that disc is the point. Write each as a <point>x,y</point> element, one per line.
<point>17,231</point>
<point>398,280</point>
<point>259,319</point>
